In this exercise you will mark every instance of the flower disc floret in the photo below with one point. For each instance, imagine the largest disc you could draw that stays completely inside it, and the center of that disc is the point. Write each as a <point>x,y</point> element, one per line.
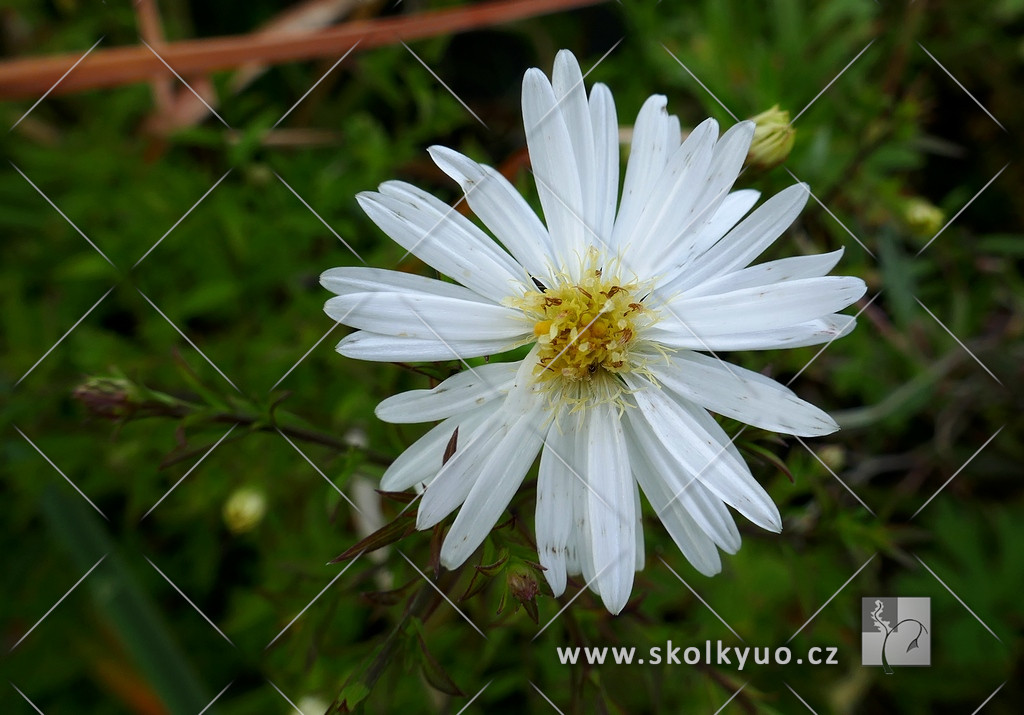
<point>583,326</point>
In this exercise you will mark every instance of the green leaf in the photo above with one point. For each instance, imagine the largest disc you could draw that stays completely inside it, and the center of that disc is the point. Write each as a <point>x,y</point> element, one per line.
<point>434,673</point>
<point>397,530</point>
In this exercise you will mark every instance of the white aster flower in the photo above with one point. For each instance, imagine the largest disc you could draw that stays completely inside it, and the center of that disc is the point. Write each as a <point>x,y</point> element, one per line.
<point>620,301</point>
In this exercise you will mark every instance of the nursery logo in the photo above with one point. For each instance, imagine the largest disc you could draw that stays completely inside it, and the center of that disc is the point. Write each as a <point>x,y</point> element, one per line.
<point>896,632</point>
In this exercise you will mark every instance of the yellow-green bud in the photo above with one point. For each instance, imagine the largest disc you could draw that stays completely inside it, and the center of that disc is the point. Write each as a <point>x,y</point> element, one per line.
<point>312,705</point>
<point>923,217</point>
<point>244,509</point>
<point>773,139</point>
<point>833,456</point>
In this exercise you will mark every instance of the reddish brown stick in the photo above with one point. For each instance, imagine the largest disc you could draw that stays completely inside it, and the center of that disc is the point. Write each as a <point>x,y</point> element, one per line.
<point>28,78</point>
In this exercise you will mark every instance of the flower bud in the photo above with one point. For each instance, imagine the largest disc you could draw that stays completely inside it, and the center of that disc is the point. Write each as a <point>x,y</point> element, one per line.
<point>109,397</point>
<point>244,510</point>
<point>923,217</point>
<point>312,705</point>
<point>522,582</point>
<point>833,456</point>
<point>773,139</point>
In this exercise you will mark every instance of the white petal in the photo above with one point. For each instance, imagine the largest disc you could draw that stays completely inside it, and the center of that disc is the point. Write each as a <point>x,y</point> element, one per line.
<point>700,446</point>
<point>784,269</point>
<point>638,518</point>
<point>442,238</point>
<point>707,231</point>
<point>749,239</point>
<point>422,460</point>
<point>742,394</point>
<point>365,345</point>
<point>760,308</point>
<point>571,98</point>
<point>461,392</point>
<point>606,161</point>
<point>500,477</point>
<point>673,201</point>
<point>555,507</point>
<point>812,332</point>
<point>610,508</point>
<point>647,157</point>
<point>359,279</point>
<point>425,316</point>
<point>502,209</point>
<point>694,544</point>
<point>679,490</point>
<point>456,478</point>
<point>471,459</point>
<point>555,170</point>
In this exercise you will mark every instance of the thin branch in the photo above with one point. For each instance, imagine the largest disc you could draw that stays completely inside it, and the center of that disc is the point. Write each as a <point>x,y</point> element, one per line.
<point>28,78</point>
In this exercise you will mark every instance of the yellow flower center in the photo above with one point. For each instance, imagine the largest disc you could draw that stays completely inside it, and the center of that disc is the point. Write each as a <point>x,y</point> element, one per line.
<point>583,327</point>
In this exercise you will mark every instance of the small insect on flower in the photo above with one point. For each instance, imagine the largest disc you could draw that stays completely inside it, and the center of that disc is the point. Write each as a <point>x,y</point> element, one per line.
<point>626,302</point>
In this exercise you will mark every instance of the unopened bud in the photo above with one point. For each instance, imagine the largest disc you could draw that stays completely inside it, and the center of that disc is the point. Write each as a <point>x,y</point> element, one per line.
<point>832,456</point>
<point>244,510</point>
<point>522,582</point>
<point>311,705</point>
<point>773,139</point>
<point>923,217</point>
<point>109,397</point>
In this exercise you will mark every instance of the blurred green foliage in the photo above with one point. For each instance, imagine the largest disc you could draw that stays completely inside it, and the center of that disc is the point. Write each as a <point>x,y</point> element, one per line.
<point>238,276</point>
